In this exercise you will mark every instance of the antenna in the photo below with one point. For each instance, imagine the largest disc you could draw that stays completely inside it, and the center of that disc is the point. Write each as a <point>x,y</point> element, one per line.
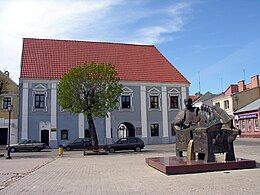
<point>244,71</point>
<point>199,80</point>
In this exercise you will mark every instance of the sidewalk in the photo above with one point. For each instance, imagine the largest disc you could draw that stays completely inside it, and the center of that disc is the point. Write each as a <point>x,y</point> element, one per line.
<point>127,173</point>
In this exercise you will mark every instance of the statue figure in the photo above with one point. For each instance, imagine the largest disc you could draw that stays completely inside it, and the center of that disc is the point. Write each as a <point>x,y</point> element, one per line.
<point>206,130</point>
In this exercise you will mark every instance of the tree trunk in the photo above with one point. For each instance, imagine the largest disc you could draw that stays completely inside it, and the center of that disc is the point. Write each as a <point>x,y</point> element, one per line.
<point>93,132</point>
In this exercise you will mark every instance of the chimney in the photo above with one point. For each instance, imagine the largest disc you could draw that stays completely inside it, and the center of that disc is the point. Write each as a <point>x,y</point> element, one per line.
<point>255,81</point>
<point>241,86</point>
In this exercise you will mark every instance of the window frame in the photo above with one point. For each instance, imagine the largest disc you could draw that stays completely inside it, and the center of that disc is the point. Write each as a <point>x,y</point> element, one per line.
<point>6,108</point>
<point>128,102</point>
<point>38,103</point>
<point>38,90</point>
<point>154,92</point>
<point>243,126</point>
<point>226,104</point>
<point>126,92</point>
<point>150,98</point>
<point>62,132</point>
<point>174,93</point>
<point>249,125</point>
<point>256,121</point>
<point>170,102</point>
<point>152,126</point>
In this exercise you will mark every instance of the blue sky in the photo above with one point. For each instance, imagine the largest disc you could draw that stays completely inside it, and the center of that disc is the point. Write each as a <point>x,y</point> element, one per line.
<point>214,39</point>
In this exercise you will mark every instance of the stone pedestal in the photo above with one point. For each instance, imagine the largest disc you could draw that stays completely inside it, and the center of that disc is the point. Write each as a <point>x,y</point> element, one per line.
<point>181,165</point>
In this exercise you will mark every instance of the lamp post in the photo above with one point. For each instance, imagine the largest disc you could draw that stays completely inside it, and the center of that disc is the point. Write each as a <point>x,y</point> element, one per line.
<point>10,109</point>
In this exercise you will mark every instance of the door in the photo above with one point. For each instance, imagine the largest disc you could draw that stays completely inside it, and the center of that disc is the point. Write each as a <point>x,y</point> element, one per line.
<point>3,136</point>
<point>45,137</point>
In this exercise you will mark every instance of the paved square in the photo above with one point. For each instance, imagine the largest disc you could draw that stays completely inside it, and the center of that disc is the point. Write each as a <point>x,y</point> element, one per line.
<point>126,173</point>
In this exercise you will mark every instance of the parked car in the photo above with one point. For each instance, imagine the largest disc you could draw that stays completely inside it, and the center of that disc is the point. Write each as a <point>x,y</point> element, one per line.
<point>130,143</point>
<point>79,143</point>
<point>27,145</point>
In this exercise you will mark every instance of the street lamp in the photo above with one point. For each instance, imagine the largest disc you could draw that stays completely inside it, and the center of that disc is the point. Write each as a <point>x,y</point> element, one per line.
<point>10,109</point>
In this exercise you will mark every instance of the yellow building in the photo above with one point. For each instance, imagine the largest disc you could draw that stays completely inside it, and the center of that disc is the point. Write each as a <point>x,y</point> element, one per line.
<point>8,96</point>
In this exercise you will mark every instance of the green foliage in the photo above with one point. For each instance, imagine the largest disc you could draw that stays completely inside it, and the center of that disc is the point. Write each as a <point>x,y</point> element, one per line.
<point>92,89</point>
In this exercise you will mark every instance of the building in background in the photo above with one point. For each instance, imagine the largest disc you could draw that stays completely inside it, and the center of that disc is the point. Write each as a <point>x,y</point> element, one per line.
<point>9,96</point>
<point>248,119</point>
<point>238,95</point>
<point>206,99</point>
<point>153,92</point>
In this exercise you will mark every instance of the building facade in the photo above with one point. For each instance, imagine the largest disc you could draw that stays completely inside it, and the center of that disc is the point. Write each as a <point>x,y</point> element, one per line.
<point>153,92</point>
<point>9,96</point>
<point>238,95</point>
<point>205,99</point>
<point>248,119</point>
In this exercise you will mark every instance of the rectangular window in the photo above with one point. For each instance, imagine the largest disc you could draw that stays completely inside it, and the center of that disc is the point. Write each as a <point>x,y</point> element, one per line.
<point>217,104</point>
<point>249,123</point>
<point>7,102</point>
<point>154,129</point>
<point>64,134</point>
<point>125,100</point>
<point>243,125</point>
<point>39,101</point>
<point>173,130</point>
<point>226,104</point>
<point>154,102</point>
<point>256,125</point>
<point>174,102</point>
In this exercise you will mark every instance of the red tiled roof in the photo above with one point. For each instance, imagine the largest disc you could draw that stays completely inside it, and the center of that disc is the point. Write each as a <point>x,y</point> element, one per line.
<point>51,59</point>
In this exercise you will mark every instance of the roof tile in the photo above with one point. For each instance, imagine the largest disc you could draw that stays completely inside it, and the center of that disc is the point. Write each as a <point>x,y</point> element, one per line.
<point>51,59</point>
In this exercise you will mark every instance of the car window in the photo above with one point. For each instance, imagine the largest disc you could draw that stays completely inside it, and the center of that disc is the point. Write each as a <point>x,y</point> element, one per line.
<point>23,141</point>
<point>78,140</point>
<point>133,140</point>
<point>86,139</point>
<point>123,141</point>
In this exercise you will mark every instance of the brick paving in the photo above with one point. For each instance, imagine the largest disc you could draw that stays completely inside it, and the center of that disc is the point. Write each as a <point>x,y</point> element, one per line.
<point>127,173</point>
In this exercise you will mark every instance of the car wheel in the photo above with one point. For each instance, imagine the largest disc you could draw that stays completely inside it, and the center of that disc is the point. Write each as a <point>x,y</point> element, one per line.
<point>12,150</point>
<point>137,149</point>
<point>68,148</point>
<point>111,150</point>
<point>36,149</point>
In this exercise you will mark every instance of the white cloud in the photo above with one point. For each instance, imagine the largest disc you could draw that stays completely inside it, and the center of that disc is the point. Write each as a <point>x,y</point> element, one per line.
<point>173,22</point>
<point>108,20</point>
<point>42,19</point>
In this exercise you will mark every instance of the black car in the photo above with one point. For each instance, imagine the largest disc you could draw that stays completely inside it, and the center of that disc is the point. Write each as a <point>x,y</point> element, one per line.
<point>130,143</point>
<point>80,143</point>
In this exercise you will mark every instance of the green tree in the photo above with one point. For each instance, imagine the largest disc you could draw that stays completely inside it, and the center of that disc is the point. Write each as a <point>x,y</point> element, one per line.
<point>92,89</point>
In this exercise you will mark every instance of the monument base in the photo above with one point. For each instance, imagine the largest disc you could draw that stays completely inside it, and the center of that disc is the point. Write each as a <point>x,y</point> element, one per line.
<point>181,165</point>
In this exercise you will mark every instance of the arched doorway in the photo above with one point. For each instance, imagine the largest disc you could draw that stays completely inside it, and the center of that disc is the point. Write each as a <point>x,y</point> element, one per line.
<point>126,129</point>
<point>45,137</point>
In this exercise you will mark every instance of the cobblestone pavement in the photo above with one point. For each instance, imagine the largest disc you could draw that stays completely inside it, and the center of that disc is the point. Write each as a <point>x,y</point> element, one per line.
<point>127,173</point>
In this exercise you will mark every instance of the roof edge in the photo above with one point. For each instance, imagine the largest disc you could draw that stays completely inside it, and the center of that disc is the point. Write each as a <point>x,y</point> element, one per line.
<point>89,41</point>
<point>188,82</point>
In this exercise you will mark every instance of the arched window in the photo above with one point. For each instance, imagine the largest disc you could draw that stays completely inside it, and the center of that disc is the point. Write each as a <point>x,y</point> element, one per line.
<point>64,134</point>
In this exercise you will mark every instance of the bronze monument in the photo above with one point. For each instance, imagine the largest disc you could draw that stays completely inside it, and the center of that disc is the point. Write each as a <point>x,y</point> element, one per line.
<point>204,131</point>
